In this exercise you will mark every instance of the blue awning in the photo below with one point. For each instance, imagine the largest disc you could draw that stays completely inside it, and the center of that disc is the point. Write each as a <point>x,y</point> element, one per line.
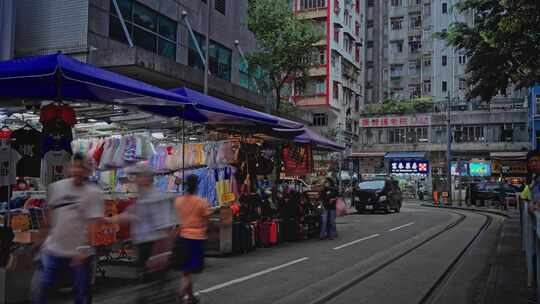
<point>212,110</point>
<point>62,77</point>
<point>309,136</point>
<point>405,155</point>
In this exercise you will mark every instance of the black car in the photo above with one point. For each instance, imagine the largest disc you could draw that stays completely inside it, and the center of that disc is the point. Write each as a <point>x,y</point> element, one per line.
<point>372,196</point>
<point>481,192</point>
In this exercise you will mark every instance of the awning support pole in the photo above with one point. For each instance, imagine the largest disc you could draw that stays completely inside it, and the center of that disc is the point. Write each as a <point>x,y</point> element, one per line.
<point>183,152</point>
<point>192,35</point>
<point>122,22</point>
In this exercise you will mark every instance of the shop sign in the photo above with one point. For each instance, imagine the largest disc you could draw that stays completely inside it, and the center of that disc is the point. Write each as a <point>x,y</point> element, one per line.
<point>414,166</point>
<point>395,121</point>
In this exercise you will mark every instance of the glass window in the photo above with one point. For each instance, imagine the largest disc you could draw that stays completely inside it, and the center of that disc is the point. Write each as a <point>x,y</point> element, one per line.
<point>220,6</point>
<point>220,60</point>
<point>148,29</point>
<point>167,28</point>
<point>166,48</point>
<point>537,104</point>
<point>445,8</point>
<point>320,119</point>
<point>444,60</point>
<point>116,31</point>
<point>444,86</point>
<point>144,16</point>
<point>194,59</point>
<point>144,39</point>
<point>126,7</point>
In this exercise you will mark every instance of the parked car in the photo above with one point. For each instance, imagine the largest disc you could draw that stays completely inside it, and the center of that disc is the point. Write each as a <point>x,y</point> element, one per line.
<point>497,192</point>
<point>372,196</point>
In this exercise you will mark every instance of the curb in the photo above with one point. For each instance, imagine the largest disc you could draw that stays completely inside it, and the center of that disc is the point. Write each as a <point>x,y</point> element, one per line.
<point>468,209</point>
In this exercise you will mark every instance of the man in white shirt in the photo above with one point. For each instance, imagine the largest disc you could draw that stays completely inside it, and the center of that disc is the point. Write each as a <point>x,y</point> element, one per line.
<point>74,204</point>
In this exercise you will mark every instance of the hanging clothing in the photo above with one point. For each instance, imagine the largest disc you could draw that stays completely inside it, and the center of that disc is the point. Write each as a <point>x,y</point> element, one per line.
<point>63,112</point>
<point>54,166</point>
<point>8,164</point>
<point>27,143</point>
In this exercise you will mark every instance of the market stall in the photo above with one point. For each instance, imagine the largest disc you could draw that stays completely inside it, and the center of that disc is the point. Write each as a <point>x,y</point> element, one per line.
<point>54,106</point>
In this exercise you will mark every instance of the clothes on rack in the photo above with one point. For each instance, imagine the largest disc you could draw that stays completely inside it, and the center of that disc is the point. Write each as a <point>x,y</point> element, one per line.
<point>54,166</point>
<point>8,163</point>
<point>26,141</point>
<point>117,151</point>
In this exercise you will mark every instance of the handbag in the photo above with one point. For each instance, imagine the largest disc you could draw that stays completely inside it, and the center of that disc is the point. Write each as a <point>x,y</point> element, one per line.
<point>160,257</point>
<point>341,207</point>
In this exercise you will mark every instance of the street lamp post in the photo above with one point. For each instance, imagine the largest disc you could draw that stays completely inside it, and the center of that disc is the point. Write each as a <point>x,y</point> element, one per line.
<point>449,150</point>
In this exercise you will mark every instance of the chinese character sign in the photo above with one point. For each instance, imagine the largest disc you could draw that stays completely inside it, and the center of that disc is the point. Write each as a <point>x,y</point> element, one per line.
<point>409,166</point>
<point>396,121</point>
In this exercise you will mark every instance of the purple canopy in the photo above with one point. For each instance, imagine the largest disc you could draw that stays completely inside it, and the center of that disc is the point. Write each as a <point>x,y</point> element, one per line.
<point>61,77</point>
<point>311,137</point>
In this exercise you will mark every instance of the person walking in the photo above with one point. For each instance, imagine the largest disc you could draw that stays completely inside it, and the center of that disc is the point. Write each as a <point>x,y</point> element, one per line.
<point>193,212</point>
<point>150,217</point>
<point>74,204</point>
<point>329,195</point>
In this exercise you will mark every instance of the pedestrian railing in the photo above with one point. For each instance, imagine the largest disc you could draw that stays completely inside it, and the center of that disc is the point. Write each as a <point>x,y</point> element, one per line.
<point>530,236</point>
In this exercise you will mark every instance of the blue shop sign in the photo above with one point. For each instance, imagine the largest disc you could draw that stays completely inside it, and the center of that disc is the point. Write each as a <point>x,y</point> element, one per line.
<point>409,166</point>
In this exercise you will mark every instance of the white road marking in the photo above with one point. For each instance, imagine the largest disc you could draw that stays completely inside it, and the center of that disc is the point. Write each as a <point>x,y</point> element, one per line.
<point>402,226</point>
<point>357,241</point>
<point>251,276</point>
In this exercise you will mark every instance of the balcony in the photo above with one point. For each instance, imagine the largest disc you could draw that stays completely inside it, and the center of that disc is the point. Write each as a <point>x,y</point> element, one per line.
<point>317,71</point>
<point>311,100</point>
<point>315,13</point>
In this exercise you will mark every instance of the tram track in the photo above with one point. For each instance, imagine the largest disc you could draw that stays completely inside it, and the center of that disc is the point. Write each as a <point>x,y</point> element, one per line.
<point>431,294</point>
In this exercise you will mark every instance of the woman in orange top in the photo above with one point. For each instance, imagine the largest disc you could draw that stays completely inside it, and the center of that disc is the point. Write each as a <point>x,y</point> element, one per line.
<point>193,212</point>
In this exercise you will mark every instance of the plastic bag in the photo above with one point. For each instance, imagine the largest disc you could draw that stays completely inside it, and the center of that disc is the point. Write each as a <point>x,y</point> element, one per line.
<point>341,207</point>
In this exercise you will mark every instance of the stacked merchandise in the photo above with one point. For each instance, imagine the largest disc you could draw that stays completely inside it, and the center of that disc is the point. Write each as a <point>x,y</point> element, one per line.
<point>57,120</point>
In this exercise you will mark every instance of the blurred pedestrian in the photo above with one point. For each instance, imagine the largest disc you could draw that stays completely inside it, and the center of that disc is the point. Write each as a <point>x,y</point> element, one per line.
<point>329,195</point>
<point>74,204</point>
<point>150,217</point>
<point>193,212</point>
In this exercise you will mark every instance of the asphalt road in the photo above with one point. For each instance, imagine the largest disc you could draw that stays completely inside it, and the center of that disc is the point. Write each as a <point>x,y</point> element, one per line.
<point>304,272</point>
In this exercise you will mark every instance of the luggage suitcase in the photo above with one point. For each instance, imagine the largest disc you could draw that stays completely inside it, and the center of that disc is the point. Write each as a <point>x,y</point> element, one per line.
<point>264,234</point>
<point>290,230</point>
<point>237,237</point>
<point>273,228</point>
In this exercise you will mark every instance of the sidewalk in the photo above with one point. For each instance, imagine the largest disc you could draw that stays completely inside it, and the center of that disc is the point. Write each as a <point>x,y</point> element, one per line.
<point>507,278</point>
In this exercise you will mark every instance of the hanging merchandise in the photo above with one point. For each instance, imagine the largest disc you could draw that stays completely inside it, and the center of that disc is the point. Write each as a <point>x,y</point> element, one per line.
<point>54,166</point>
<point>5,136</point>
<point>26,141</point>
<point>58,110</point>
<point>57,120</point>
<point>8,164</point>
<point>297,159</point>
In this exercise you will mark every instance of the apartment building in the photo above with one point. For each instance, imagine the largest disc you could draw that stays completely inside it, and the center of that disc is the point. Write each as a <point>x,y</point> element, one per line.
<point>404,61</point>
<point>333,92</point>
<point>156,45</point>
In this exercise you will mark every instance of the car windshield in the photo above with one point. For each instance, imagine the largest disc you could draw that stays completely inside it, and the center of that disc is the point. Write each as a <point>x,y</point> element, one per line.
<point>371,185</point>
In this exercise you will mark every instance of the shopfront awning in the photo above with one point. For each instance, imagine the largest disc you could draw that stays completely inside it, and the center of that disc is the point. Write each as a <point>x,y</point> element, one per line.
<point>518,155</point>
<point>61,77</point>
<point>309,136</point>
<point>398,155</point>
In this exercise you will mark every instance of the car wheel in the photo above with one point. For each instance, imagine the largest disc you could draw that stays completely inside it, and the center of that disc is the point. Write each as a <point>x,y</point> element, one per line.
<point>397,209</point>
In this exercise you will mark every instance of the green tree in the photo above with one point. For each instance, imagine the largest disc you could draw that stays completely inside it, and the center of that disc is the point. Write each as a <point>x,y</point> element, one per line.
<point>285,44</point>
<point>503,44</point>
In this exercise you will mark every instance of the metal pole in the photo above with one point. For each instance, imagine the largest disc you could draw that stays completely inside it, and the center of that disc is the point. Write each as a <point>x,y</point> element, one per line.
<point>183,153</point>
<point>206,55</point>
<point>449,150</point>
<point>122,22</point>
